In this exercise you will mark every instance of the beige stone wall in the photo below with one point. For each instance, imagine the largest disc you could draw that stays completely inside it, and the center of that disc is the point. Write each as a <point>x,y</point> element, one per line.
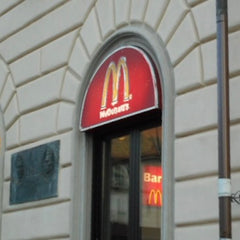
<point>46,48</point>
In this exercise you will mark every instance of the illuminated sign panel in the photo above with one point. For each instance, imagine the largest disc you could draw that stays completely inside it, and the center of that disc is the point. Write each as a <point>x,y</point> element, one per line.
<point>123,85</point>
<point>152,185</point>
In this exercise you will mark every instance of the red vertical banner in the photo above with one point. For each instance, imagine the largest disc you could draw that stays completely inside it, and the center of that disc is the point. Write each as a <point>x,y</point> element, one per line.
<point>152,185</point>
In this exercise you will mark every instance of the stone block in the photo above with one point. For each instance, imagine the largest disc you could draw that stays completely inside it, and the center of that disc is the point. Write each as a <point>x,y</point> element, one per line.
<point>138,9</point>
<point>41,91</point>
<point>121,12</point>
<point>65,181</point>
<point>233,16</point>
<point>172,17</point>
<point>44,222</point>
<point>235,150</point>
<point>235,229</point>
<point>6,5</point>
<point>183,39</point>
<point>196,200</point>
<point>7,165</point>
<point>71,87</point>
<point>155,11</point>
<point>235,179</point>
<point>209,56</point>
<point>67,150</point>
<point>38,124</point>
<point>24,14</point>
<point>92,38</point>
<point>45,29</point>
<point>6,195</point>
<point>26,68</point>
<point>189,77</point>
<point>3,74</point>
<point>66,116</point>
<point>234,52</point>
<point>196,155</point>
<point>7,93</point>
<point>205,18</point>
<point>196,110</point>
<point>56,53</point>
<point>234,98</point>
<point>106,16</point>
<point>12,135</point>
<point>79,59</point>
<point>12,112</point>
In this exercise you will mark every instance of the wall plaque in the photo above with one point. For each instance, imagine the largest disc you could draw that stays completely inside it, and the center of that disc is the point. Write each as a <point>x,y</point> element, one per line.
<point>34,173</point>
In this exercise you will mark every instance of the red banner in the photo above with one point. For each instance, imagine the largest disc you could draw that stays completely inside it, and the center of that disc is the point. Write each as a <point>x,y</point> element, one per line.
<point>123,85</point>
<point>152,185</point>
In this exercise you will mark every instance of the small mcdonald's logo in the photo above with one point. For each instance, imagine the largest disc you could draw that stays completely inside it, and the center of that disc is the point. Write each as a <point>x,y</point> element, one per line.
<point>152,185</point>
<point>155,198</point>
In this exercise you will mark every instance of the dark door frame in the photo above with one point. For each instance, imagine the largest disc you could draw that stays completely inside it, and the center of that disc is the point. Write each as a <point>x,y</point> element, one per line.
<point>101,169</point>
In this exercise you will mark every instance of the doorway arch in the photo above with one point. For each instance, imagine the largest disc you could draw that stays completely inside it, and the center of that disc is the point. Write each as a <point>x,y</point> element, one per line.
<point>144,37</point>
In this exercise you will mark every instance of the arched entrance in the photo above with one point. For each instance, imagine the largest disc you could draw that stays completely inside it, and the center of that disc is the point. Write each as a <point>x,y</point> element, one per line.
<point>135,128</point>
<point>124,95</point>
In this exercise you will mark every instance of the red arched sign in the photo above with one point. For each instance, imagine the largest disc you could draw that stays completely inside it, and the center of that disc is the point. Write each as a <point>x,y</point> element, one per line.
<point>123,85</point>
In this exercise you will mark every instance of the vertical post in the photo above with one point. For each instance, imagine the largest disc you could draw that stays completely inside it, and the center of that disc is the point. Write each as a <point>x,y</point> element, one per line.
<point>223,122</point>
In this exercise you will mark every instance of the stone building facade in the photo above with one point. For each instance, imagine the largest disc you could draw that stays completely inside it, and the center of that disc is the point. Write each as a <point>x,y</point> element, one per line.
<point>46,53</point>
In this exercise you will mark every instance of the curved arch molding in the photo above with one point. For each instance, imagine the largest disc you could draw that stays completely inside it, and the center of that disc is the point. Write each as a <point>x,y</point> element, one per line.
<point>149,40</point>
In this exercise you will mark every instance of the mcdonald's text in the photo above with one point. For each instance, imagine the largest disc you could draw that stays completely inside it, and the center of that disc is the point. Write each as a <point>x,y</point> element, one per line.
<point>114,111</point>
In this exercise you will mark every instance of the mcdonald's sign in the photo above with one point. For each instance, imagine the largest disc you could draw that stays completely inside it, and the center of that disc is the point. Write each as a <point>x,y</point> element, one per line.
<point>115,71</point>
<point>123,85</point>
<point>152,185</point>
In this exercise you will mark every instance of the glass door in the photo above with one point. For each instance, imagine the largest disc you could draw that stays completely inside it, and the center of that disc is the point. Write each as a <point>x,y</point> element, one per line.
<point>119,188</point>
<point>127,186</point>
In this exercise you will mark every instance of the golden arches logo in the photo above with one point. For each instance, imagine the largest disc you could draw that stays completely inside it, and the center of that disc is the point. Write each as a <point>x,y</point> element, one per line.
<point>115,71</point>
<point>155,197</point>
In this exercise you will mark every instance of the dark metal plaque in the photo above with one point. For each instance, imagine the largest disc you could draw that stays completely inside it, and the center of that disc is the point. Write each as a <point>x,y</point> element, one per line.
<point>34,173</point>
